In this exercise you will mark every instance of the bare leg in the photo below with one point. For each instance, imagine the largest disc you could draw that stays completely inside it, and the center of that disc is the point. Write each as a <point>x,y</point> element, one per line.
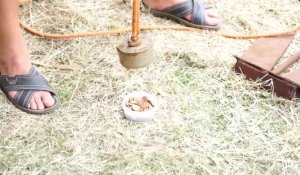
<point>212,18</point>
<point>14,57</point>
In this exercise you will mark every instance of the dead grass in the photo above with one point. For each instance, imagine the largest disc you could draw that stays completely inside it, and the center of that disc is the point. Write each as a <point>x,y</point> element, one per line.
<point>210,121</point>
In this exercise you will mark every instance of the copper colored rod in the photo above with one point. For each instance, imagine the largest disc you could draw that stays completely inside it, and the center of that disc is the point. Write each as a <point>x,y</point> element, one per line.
<point>128,29</point>
<point>286,64</point>
<point>135,21</point>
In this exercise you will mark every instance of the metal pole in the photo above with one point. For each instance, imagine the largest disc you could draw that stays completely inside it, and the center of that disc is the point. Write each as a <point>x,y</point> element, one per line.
<point>135,21</point>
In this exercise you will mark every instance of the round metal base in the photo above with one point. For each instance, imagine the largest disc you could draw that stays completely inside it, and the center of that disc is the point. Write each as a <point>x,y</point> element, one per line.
<point>136,57</point>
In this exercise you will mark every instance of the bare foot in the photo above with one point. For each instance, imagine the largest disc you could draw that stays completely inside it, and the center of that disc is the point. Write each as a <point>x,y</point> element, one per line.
<point>211,17</point>
<point>14,60</point>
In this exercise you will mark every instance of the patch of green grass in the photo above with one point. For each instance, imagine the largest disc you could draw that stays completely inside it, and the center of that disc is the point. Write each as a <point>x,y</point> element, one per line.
<point>187,59</point>
<point>184,77</point>
<point>64,92</point>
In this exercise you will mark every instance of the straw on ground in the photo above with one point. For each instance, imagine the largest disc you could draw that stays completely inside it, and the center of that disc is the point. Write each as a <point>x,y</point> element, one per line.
<point>210,121</point>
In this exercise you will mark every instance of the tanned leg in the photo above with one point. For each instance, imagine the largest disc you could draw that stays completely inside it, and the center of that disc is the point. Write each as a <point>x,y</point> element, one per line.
<point>14,56</point>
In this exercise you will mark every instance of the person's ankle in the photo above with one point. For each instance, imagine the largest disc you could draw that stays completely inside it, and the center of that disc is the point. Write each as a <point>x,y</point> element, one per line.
<point>161,4</point>
<point>14,65</point>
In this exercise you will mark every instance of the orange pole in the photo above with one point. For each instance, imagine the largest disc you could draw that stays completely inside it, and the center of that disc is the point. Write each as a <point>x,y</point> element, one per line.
<point>136,21</point>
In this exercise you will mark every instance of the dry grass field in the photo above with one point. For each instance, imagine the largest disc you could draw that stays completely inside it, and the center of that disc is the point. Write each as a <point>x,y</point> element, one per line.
<point>210,120</point>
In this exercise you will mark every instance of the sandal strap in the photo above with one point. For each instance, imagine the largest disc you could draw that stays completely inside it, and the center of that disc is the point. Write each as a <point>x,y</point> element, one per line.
<point>32,71</point>
<point>198,13</point>
<point>189,7</point>
<point>25,85</point>
<point>23,98</point>
<point>181,9</point>
<point>33,81</point>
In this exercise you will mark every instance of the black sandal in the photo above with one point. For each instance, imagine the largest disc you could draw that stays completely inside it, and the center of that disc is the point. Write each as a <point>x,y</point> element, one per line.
<point>26,85</point>
<point>178,11</point>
